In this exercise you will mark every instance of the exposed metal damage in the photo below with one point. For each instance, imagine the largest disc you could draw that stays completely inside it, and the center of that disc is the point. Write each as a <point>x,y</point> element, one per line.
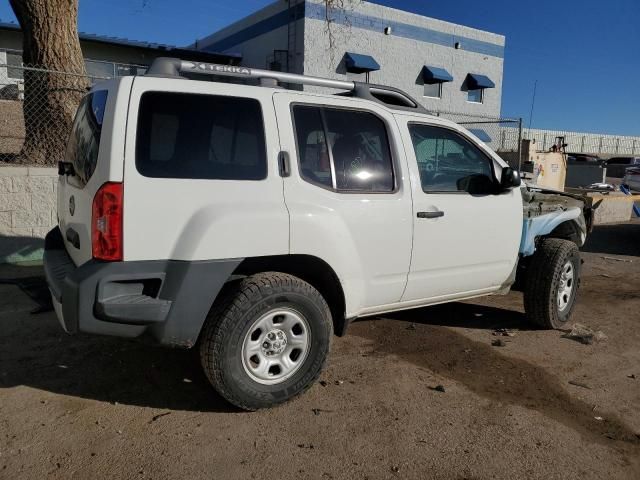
<point>553,213</point>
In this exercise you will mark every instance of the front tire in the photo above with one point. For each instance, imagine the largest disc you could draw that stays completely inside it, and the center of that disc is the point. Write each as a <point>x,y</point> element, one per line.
<point>266,340</point>
<point>552,281</point>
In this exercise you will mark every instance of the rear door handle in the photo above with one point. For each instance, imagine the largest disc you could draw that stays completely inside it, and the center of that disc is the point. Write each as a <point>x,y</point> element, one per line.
<point>436,214</point>
<point>283,164</point>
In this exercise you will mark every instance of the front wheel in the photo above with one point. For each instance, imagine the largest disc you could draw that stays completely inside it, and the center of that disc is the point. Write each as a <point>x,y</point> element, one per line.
<point>551,284</point>
<point>266,340</point>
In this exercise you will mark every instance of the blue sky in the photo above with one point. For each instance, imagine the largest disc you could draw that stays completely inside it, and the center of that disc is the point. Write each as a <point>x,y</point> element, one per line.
<point>585,54</point>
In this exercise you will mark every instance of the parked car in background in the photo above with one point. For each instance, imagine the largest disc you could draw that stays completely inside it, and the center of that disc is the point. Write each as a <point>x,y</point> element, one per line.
<point>632,178</point>
<point>580,157</point>
<point>616,166</point>
<point>584,170</point>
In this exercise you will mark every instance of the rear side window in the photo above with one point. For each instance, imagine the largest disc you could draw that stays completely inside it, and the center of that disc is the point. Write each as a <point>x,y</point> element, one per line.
<point>183,135</point>
<point>344,150</point>
<point>84,140</point>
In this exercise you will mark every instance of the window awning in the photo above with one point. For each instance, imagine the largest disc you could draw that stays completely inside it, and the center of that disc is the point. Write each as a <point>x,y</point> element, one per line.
<point>358,63</point>
<point>476,82</point>
<point>481,134</point>
<point>431,75</point>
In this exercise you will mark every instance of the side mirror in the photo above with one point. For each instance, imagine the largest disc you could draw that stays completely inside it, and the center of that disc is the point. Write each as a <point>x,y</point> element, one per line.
<point>510,178</point>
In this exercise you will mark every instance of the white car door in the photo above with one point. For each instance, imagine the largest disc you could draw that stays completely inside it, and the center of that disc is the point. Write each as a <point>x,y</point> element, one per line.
<point>348,193</point>
<point>466,232</point>
<point>201,172</point>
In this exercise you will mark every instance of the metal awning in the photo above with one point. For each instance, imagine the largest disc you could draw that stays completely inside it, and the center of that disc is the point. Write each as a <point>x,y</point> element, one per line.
<point>481,134</point>
<point>431,75</point>
<point>358,63</point>
<point>476,82</point>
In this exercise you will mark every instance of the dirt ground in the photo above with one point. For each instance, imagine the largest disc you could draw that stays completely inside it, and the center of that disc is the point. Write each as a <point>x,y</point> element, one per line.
<point>91,407</point>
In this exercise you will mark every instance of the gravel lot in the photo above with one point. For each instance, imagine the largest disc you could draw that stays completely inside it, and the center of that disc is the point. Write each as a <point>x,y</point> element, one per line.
<point>92,407</point>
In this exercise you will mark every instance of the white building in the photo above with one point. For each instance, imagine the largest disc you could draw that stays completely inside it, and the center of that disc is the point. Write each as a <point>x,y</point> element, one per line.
<point>447,67</point>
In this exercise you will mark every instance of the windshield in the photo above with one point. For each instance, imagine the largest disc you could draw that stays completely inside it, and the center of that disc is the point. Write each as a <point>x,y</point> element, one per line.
<point>84,141</point>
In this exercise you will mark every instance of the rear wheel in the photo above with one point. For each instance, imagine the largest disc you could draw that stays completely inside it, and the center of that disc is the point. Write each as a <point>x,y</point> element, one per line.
<point>552,281</point>
<point>266,340</point>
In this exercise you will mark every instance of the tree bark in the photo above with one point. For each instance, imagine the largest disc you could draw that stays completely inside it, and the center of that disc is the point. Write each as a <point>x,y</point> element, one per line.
<point>50,43</point>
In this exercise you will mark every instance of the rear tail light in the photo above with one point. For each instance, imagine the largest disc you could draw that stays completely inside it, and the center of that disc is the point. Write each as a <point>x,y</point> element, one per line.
<point>106,222</point>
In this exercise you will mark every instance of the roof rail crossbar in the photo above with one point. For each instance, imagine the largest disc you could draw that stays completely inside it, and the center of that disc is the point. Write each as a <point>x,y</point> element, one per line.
<point>172,67</point>
<point>388,96</point>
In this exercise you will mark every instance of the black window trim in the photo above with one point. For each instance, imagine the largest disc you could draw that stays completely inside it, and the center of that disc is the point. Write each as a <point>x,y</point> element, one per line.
<point>390,140</point>
<point>181,92</point>
<point>332,163</point>
<point>460,134</point>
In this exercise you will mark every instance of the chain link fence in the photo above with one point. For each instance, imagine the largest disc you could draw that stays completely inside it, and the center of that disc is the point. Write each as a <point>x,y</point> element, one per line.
<point>35,104</point>
<point>588,143</point>
<point>502,135</point>
<point>33,99</point>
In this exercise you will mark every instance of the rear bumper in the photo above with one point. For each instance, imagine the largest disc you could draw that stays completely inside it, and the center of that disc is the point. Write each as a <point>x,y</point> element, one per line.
<point>165,299</point>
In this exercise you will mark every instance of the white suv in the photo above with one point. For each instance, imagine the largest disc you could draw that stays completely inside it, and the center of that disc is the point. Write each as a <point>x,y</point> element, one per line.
<point>255,222</point>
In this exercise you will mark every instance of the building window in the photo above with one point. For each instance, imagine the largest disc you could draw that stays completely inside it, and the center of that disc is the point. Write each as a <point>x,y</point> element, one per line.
<point>96,68</point>
<point>123,69</point>
<point>359,66</point>
<point>14,59</point>
<point>101,69</point>
<point>433,90</point>
<point>433,78</point>
<point>475,96</point>
<point>359,77</point>
<point>475,85</point>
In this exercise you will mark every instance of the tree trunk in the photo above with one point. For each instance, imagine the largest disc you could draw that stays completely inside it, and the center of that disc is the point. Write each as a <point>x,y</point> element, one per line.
<point>50,43</point>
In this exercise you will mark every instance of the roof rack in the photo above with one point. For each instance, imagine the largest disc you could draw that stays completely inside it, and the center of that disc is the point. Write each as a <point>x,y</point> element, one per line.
<point>388,96</point>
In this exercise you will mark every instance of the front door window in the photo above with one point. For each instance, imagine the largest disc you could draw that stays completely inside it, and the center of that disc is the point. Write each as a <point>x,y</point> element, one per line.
<point>448,162</point>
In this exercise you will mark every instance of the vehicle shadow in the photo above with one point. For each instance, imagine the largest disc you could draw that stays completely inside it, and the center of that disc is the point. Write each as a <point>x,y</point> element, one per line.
<point>465,315</point>
<point>30,280</point>
<point>20,248</point>
<point>35,352</point>
<point>484,369</point>
<point>616,239</point>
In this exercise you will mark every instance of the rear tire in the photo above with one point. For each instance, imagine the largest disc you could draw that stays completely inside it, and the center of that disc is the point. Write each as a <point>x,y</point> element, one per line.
<point>266,340</point>
<point>551,284</point>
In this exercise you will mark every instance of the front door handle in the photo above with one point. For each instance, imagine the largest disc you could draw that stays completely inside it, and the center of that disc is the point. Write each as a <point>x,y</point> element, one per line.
<point>436,214</point>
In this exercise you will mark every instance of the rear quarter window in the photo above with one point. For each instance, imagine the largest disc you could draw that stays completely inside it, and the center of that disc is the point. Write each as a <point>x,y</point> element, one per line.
<point>183,135</point>
<point>84,140</point>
